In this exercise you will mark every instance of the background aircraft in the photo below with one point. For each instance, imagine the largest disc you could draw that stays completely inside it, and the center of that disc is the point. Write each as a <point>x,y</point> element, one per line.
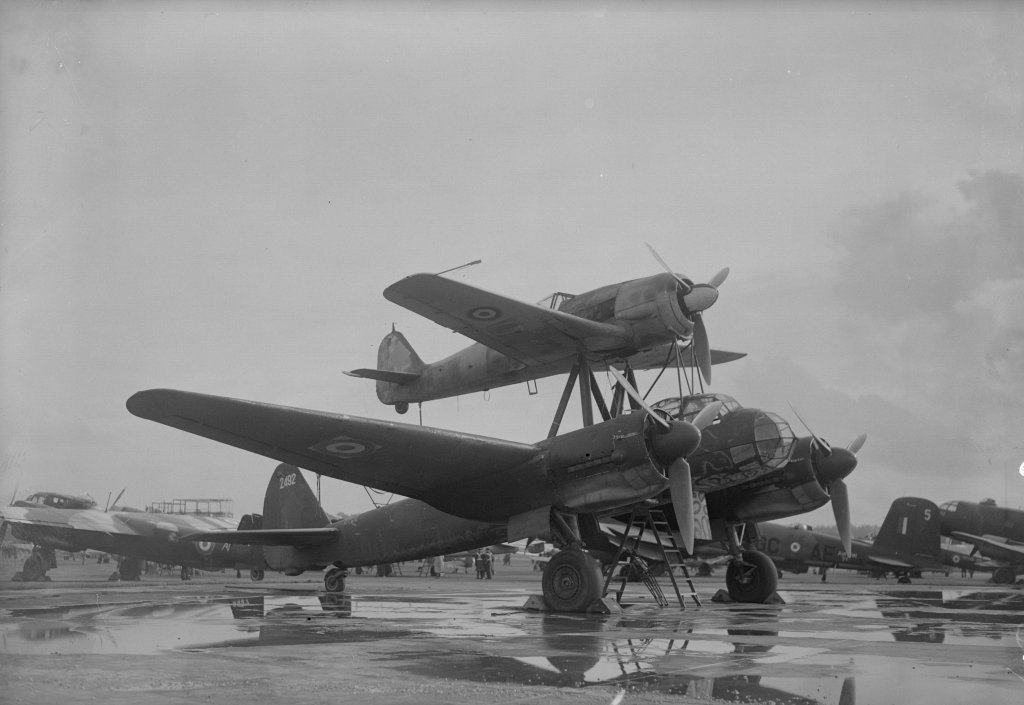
<point>53,521</point>
<point>907,543</point>
<point>997,533</point>
<point>648,322</point>
<point>550,488</point>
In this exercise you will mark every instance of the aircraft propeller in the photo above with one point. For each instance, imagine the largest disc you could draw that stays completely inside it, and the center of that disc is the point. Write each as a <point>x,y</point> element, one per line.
<point>674,442</point>
<point>834,465</point>
<point>695,299</point>
<point>118,499</point>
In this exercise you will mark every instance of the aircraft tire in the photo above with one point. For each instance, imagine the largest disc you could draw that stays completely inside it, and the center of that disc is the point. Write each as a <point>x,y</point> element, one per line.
<point>755,580</point>
<point>334,580</point>
<point>572,581</point>
<point>1003,575</point>
<point>256,574</point>
<point>402,407</point>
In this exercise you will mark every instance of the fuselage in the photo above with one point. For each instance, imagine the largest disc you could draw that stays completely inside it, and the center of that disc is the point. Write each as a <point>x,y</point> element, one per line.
<point>982,519</point>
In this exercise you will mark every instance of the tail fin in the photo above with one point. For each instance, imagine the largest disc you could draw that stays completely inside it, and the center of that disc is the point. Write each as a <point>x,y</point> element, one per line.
<point>290,503</point>
<point>911,528</point>
<point>397,363</point>
<point>396,355</point>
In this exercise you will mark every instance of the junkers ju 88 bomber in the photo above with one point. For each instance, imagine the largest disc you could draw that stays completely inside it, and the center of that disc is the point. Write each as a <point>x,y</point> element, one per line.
<point>54,521</point>
<point>549,488</point>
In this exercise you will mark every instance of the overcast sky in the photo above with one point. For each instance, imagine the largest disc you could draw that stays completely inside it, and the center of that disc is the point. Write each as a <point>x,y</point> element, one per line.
<point>211,196</point>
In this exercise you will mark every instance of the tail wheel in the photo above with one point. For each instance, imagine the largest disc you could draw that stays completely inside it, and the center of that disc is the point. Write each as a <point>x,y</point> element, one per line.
<point>256,574</point>
<point>334,580</point>
<point>751,579</point>
<point>572,581</point>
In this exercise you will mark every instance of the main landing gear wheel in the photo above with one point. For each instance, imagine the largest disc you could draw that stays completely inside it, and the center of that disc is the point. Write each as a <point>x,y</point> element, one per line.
<point>1003,575</point>
<point>752,579</point>
<point>572,581</point>
<point>256,574</point>
<point>334,580</point>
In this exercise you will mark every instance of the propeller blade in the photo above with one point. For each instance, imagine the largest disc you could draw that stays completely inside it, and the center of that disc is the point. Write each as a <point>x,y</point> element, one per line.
<point>117,499</point>
<point>680,488</point>
<point>822,443</point>
<point>707,415</point>
<point>664,265</point>
<point>841,508</point>
<point>701,348</point>
<point>857,443</point>
<point>848,694</point>
<point>716,281</point>
<point>635,396</point>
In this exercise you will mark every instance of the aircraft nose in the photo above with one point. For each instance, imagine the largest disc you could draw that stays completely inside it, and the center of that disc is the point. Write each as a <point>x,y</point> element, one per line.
<point>679,440</point>
<point>837,465</point>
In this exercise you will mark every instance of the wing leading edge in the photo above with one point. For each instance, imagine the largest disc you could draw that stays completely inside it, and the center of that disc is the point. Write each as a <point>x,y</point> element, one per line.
<point>413,461</point>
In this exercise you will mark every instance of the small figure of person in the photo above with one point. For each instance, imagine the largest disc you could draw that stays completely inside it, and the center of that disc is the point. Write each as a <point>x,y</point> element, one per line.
<point>478,561</point>
<point>488,563</point>
<point>507,560</point>
<point>437,570</point>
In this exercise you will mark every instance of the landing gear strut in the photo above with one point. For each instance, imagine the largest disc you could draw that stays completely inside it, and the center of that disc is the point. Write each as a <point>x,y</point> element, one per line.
<point>751,575</point>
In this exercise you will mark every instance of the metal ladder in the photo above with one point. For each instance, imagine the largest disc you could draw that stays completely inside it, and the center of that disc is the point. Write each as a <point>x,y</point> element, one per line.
<point>628,559</point>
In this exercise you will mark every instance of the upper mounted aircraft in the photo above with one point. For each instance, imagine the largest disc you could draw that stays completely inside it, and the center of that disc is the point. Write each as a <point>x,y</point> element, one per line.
<point>646,323</point>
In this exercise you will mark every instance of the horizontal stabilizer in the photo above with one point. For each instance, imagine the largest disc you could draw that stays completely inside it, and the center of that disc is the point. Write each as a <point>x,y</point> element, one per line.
<point>269,537</point>
<point>887,561</point>
<point>385,375</point>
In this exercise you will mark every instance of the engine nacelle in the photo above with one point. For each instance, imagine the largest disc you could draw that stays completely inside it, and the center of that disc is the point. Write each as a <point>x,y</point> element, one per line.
<point>651,306</point>
<point>794,489</point>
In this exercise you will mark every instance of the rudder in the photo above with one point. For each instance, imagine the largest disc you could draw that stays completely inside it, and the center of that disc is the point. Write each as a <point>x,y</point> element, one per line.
<point>396,355</point>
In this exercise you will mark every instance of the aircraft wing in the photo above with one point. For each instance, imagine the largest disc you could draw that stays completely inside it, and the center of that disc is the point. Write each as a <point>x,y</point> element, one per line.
<point>269,537</point>
<point>992,547</point>
<point>526,332</point>
<point>48,519</point>
<point>413,461</point>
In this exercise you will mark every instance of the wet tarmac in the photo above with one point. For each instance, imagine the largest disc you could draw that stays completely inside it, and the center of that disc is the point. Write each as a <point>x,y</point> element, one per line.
<point>456,639</point>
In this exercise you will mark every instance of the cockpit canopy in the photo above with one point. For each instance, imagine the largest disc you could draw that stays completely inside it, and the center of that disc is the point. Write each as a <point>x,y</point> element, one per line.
<point>687,408</point>
<point>730,447</point>
<point>59,501</point>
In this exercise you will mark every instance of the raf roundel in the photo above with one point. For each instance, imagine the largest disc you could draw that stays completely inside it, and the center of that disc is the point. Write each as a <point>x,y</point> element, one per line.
<point>205,547</point>
<point>346,447</point>
<point>484,313</point>
<point>794,547</point>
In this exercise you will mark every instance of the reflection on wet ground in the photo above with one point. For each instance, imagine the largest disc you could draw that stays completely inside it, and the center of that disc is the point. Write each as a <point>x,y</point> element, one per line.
<point>822,646</point>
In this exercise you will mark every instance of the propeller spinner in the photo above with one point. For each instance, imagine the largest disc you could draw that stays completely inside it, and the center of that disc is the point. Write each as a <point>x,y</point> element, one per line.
<point>694,299</point>
<point>834,465</point>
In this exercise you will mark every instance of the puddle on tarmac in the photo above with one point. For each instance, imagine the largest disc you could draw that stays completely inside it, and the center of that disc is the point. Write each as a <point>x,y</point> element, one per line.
<point>734,653</point>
